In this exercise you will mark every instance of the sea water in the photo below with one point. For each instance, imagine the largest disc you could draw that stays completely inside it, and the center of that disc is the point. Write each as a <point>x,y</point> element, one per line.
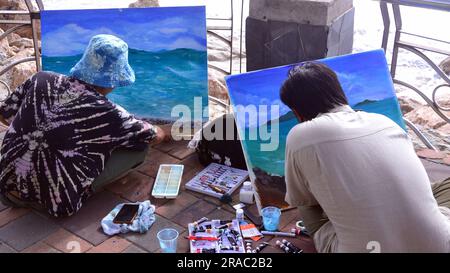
<point>164,80</point>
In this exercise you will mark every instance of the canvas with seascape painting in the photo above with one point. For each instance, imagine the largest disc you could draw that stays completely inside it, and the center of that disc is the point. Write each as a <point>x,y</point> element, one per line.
<point>367,84</point>
<point>167,50</point>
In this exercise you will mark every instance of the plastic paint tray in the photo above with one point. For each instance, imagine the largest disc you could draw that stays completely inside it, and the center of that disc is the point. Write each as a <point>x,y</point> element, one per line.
<point>168,180</point>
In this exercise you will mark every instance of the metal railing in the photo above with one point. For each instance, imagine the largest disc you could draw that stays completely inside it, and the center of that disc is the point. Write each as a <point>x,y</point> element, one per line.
<point>33,23</point>
<point>230,22</point>
<point>417,49</point>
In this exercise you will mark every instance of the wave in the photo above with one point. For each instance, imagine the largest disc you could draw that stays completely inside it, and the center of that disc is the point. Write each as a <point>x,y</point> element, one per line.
<point>164,79</point>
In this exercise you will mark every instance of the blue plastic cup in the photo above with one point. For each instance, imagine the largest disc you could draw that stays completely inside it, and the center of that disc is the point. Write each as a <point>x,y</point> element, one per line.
<point>168,238</point>
<point>271,218</point>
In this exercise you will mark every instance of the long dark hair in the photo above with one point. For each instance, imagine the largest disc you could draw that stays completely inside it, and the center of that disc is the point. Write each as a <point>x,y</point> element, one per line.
<point>311,89</point>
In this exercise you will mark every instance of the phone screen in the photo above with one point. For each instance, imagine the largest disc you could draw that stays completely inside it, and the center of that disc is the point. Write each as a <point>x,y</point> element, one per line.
<point>126,214</point>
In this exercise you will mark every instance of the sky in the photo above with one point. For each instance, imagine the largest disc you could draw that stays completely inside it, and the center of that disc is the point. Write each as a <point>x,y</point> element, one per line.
<point>67,32</point>
<point>363,76</point>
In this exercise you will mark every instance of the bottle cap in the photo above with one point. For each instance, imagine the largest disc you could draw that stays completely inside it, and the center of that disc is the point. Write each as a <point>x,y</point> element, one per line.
<point>248,185</point>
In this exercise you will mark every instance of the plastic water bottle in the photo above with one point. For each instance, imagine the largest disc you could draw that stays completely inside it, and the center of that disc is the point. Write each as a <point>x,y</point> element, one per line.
<point>246,195</point>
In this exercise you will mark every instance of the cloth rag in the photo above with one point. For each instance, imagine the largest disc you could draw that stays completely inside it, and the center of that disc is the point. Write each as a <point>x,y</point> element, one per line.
<point>144,220</point>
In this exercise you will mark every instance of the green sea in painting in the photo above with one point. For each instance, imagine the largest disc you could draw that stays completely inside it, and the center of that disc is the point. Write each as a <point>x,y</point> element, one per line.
<point>163,80</point>
<point>273,162</point>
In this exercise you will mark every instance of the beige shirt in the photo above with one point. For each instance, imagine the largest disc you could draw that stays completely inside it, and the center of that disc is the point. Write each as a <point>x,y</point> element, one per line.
<point>362,170</point>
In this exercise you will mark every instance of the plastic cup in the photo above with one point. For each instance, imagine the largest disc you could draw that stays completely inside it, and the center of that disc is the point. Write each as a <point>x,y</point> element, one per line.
<point>168,238</point>
<point>271,218</point>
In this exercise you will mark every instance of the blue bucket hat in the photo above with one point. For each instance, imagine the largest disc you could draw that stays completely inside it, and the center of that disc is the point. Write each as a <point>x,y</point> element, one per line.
<point>105,63</point>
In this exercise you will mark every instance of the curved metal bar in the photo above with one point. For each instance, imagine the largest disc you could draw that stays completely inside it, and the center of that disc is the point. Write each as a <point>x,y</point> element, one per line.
<point>11,30</point>
<point>11,65</point>
<point>218,36</point>
<point>434,97</point>
<point>425,98</point>
<point>386,23</point>
<point>218,101</point>
<point>7,88</point>
<point>425,57</point>
<point>218,69</point>
<point>421,136</point>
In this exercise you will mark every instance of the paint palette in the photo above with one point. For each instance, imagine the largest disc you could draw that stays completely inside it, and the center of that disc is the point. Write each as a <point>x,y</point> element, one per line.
<point>217,180</point>
<point>168,180</point>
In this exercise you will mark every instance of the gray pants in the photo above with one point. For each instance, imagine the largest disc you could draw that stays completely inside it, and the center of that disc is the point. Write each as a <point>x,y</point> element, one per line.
<point>119,164</point>
<point>314,218</point>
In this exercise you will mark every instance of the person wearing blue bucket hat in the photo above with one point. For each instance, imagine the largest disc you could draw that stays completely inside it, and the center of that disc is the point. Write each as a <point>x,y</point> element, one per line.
<point>65,138</point>
<point>105,63</point>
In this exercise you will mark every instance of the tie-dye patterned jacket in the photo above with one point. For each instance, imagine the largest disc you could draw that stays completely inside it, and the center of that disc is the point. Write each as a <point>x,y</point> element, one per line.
<point>61,134</point>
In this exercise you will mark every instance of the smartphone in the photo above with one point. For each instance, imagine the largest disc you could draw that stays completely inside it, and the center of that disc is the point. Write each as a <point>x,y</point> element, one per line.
<point>127,214</point>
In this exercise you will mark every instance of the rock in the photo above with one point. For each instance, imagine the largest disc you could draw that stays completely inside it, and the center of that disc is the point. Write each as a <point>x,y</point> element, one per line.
<point>431,154</point>
<point>445,66</point>
<point>144,4</point>
<point>22,43</point>
<point>15,5</point>
<point>216,84</point>
<point>13,37</point>
<point>22,53</point>
<point>21,73</point>
<point>218,56</point>
<point>5,50</point>
<point>408,104</point>
<point>426,117</point>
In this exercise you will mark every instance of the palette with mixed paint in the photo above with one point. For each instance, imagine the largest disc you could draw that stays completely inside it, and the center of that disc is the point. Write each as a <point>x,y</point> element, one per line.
<point>217,180</point>
<point>168,180</point>
<point>215,236</point>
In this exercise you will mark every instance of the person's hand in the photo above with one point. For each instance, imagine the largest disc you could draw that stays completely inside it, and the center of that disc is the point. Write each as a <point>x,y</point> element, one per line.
<point>163,133</point>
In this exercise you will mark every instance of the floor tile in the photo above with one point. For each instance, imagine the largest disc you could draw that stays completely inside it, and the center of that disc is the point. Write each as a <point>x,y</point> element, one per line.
<point>166,147</point>
<point>149,241</point>
<point>4,248</point>
<point>134,249</point>
<point>65,241</point>
<point>133,187</point>
<point>40,247</point>
<point>27,231</point>
<point>86,223</point>
<point>193,213</point>
<point>11,214</point>
<point>172,207</point>
<point>220,214</point>
<point>112,245</point>
<point>151,166</point>
<point>181,151</point>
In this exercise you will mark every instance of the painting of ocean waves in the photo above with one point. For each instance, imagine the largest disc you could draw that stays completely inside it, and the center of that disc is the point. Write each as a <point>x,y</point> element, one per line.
<point>167,51</point>
<point>163,80</point>
<point>366,82</point>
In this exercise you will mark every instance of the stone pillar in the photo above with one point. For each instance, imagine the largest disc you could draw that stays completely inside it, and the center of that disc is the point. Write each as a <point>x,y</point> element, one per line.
<point>289,31</point>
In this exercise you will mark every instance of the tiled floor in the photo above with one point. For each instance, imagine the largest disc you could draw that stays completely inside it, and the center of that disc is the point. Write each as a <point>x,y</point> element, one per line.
<point>25,230</point>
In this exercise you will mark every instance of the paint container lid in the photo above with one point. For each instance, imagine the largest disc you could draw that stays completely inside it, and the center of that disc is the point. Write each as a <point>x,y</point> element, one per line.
<point>247,186</point>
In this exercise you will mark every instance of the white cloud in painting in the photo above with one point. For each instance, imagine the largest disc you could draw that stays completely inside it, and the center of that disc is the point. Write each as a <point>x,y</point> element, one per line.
<point>70,39</point>
<point>186,42</point>
<point>169,31</point>
<point>170,34</point>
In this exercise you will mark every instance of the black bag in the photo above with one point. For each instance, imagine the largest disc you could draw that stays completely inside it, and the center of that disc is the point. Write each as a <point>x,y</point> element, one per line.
<point>226,148</point>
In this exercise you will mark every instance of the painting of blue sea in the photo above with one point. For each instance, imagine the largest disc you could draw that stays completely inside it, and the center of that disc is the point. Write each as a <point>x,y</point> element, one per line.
<point>366,82</point>
<point>167,50</point>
